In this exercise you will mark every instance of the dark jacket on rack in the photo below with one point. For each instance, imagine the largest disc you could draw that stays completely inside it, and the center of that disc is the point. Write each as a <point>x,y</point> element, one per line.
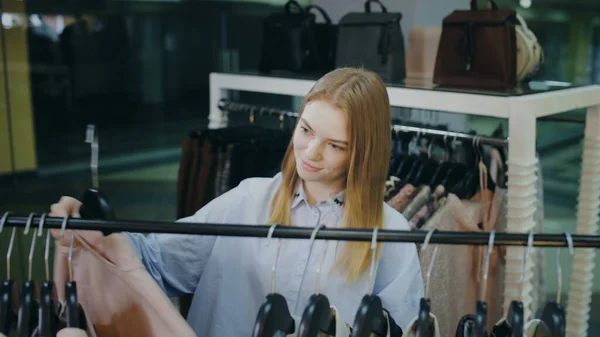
<point>214,161</point>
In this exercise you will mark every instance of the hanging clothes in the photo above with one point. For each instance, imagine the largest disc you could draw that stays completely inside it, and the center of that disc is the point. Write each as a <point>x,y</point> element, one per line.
<point>214,161</point>
<point>456,276</point>
<point>116,291</point>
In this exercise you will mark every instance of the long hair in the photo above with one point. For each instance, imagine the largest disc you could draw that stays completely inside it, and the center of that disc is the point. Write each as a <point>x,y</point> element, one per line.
<point>362,95</point>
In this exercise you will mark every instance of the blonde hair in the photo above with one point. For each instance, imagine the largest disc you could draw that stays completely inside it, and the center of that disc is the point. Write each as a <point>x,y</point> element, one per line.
<point>362,95</point>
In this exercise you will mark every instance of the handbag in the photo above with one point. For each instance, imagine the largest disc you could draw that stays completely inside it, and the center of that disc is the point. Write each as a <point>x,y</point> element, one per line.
<point>290,41</point>
<point>372,40</point>
<point>326,41</point>
<point>478,48</point>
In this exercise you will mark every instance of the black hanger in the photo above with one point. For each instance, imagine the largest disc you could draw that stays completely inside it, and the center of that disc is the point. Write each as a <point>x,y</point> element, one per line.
<point>553,314</point>
<point>554,318</point>
<point>48,317</point>
<point>9,292</point>
<point>317,318</point>
<point>95,205</point>
<point>423,323</point>
<point>465,326</point>
<point>75,317</point>
<point>516,316</point>
<point>480,323</point>
<point>424,326</point>
<point>28,310</point>
<point>515,319</point>
<point>274,315</point>
<point>480,319</point>
<point>369,318</point>
<point>27,319</point>
<point>9,296</point>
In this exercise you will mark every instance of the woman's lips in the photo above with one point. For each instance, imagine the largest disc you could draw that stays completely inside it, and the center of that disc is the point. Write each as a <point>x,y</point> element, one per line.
<point>309,167</point>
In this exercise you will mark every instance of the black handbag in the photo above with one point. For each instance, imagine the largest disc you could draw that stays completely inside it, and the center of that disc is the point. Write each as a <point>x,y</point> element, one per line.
<point>290,41</point>
<point>326,38</point>
<point>373,41</point>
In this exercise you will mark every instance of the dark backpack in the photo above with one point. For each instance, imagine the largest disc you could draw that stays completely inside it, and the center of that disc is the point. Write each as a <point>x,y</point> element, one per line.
<point>373,41</point>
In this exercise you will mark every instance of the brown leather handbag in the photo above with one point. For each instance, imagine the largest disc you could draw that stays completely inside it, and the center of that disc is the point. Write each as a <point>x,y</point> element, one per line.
<point>478,48</point>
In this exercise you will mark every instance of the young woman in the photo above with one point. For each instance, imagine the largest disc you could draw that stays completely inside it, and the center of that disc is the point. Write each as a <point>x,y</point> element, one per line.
<point>333,173</point>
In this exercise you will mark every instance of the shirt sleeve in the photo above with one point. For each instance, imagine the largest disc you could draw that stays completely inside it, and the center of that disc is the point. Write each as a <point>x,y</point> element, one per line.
<point>399,281</point>
<point>176,261</point>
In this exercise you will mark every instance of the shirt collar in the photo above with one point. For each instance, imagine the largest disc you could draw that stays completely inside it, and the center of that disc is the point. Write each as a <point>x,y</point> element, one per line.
<point>300,195</point>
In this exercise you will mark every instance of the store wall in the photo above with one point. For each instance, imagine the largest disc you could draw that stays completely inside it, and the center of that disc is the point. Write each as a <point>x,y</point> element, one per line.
<point>17,134</point>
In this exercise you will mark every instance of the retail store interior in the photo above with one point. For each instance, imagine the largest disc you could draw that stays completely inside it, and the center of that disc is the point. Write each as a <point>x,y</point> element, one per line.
<point>142,79</point>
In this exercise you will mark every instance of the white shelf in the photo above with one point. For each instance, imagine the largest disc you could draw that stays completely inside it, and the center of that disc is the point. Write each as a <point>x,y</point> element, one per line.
<point>539,104</point>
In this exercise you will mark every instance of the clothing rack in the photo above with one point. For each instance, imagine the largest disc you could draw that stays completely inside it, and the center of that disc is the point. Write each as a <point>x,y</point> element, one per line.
<point>239,107</point>
<point>288,232</point>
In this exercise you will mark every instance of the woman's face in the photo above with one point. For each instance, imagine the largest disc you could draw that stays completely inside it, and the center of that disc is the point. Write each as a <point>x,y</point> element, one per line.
<point>321,144</point>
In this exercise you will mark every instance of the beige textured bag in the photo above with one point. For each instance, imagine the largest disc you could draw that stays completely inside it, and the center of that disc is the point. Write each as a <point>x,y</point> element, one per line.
<point>529,52</point>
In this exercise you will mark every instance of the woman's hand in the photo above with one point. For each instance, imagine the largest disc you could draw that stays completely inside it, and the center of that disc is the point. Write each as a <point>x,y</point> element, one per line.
<point>68,206</point>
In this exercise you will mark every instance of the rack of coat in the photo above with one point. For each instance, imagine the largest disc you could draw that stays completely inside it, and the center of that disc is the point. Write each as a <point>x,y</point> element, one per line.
<point>91,312</point>
<point>216,160</point>
<point>457,182</point>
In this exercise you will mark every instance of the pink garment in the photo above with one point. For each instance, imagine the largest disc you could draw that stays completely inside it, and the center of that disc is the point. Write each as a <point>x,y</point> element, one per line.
<point>427,210</point>
<point>71,332</point>
<point>456,279</point>
<point>118,295</point>
<point>402,198</point>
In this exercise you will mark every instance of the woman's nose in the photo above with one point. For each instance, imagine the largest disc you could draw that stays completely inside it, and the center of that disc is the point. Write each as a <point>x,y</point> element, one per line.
<point>313,150</point>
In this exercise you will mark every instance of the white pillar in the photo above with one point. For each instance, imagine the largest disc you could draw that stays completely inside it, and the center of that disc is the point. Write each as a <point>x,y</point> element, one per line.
<point>582,276</point>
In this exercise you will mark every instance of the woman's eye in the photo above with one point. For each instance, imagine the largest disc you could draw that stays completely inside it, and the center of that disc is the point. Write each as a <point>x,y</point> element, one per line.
<point>335,147</point>
<point>304,130</point>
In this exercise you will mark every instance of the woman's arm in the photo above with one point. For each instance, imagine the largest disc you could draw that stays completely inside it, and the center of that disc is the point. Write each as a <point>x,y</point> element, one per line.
<point>176,261</point>
<point>399,280</point>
